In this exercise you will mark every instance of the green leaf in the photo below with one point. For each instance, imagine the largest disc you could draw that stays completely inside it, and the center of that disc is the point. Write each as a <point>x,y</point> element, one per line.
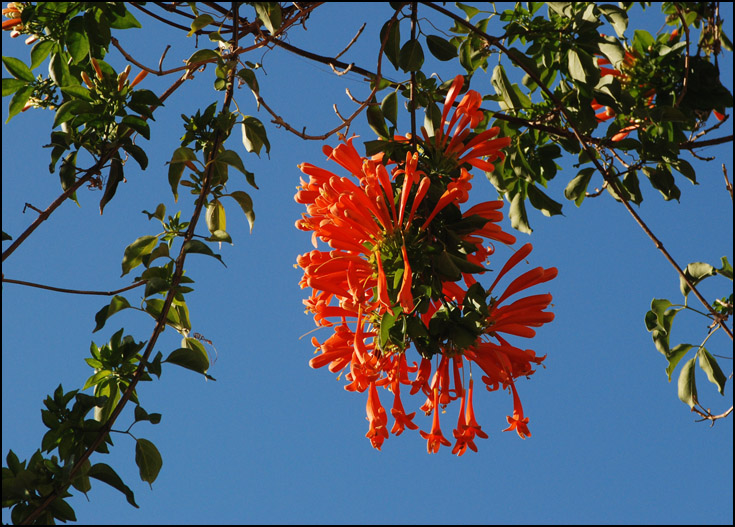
<point>77,92</point>
<point>542,202</point>
<point>77,41</point>
<point>677,353</point>
<point>411,57</point>
<point>40,51</point>
<point>18,102</point>
<point>695,272</point>
<point>200,22</point>
<point>270,14</point>
<point>469,10</point>
<point>183,154</point>
<point>392,40</point>
<point>106,474</point>
<point>254,136</point>
<point>517,214</point>
<point>68,173</point>
<point>118,303</point>
<point>198,247</point>
<point>577,187</point>
<point>246,203</point>
<point>6,236</point>
<point>134,252</point>
<point>687,384</point>
<point>175,171</point>
<point>389,107</point>
<point>115,177</point>
<point>137,124</point>
<point>148,460</point>
<point>376,121</point>
<point>137,153</point>
<point>61,510</point>
<point>97,378</point>
<point>504,88</point>
<point>124,21</point>
<point>11,86</point>
<point>233,159</point>
<point>190,359</point>
<point>726,269</point>
<point>617,17</point>
<point>215,217</point>
<point>68,110</point>
<point>442,49</point>
<point>18,69</point>
<point>581,67</point>
<point>203,55</point>
<point>709,365</point>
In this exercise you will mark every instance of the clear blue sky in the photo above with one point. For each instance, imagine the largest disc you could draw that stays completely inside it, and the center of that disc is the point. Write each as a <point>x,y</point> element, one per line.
<point>273,441</point>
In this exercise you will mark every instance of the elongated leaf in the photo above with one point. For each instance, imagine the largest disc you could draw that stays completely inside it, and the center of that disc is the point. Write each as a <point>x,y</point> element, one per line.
<point>389,107</point>
<point>18,69</point>
<point>106,474</point>
<point>115,177</point>
<point>246,203</point>
<point>137,124</point>
<point>18,102</point>
<point>148,459</point>
<point>677,353</point>
<point>709,365</point>
<point>190,359</point>
<point>198,247</point>
<point>40,51</point>
<point>688,384</point>
<point>542,202</point>
<point>216,219</point>
<point>578,186</point>
<point>77,41</point>
<point>118,303</point>
<point>442,49</point>
<point>134,252</point>
<point>270,14</point>
<point>517,214</point>
<point>203,55</point>
<point>392,41</point>
<point>200,22</point>
<point>254,136</point>
<point>695,272</point>
<point>376,121</point>
<point>11,86</point>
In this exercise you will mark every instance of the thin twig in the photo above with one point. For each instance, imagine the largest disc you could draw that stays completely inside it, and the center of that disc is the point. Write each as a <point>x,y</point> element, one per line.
<point>606,175</point>
<point>279,121</point>
<point>74,291</point>
<point>728,185</point>
<point>29,206</point>
<point>354,39</point>
<point>709,417</point>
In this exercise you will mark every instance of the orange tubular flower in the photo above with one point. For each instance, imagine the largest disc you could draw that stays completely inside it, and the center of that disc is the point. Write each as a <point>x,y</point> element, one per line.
<point>401,269</point>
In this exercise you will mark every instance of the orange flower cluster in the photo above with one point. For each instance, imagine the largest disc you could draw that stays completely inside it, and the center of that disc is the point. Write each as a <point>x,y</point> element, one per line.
<point>401,272</point>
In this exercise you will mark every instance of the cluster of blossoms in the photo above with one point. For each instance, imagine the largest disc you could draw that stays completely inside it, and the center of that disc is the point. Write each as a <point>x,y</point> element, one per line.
<point>12,11</point>
<point>401,272</point>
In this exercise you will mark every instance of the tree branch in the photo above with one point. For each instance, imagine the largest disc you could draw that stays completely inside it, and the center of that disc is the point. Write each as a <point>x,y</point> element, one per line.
<point>74,291</point>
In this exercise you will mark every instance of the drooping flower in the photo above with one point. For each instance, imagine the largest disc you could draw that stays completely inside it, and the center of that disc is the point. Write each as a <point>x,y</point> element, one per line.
<point>402,272</point>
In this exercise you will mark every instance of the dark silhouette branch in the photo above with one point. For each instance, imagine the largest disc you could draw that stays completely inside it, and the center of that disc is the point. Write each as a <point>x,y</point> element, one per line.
<point>74,291</point>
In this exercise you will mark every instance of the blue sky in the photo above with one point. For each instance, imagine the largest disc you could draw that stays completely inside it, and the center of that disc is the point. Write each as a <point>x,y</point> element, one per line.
<point>273,441</point>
